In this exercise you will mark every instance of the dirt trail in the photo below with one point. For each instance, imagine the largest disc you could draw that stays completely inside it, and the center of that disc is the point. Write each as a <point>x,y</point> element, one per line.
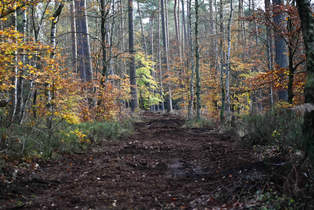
<point>161,166</point>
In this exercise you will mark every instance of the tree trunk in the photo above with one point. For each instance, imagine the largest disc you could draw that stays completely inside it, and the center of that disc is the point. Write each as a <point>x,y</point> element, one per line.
<point>307,23</point>
<point>222,65</point>
<point>14,92</point>
<point>184,25</point>
<point>73,37</point>
<point>50,94</point>
<point>269,49</point>
<point>191,100</point>
<point>83,46</point>
<point>165,50</point>
<point>197,64</point>
<point>281,57</point>
<point>142,29</point>
<point>228,61</point>
<point>134,102</point>
<point>159,60</point>
<point>20,82</point>
<point>104,11</point>
<point>111,34</point>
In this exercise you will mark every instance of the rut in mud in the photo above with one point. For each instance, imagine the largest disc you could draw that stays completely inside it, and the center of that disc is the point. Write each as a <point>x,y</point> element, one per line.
<point>161,166</point>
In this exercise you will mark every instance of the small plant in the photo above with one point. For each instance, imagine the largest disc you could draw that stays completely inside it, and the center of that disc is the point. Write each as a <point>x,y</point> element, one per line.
<point>35,140</point>
<point>199,123</point>
<point>282,127</point>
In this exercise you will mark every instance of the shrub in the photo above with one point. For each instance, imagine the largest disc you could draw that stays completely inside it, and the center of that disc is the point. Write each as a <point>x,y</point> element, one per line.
<point>199,123</point>
<point>38,141</point>
<point>96,131</point>
<point>281,127</point>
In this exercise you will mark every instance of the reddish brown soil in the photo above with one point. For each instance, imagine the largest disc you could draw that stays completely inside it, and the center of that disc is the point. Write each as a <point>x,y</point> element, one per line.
<point>161,166</point>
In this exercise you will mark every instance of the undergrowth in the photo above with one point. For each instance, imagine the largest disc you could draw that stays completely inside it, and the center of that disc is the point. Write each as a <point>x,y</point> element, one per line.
<point>280,127</point>
<point>36,141</point>
<point>276,137</point>
<point>199,123</point>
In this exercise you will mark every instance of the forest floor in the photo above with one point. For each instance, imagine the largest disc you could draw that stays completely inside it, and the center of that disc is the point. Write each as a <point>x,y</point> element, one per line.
<point>163,165</point>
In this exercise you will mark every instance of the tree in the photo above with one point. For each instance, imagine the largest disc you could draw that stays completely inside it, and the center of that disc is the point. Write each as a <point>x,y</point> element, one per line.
<point>222,59</point>
<point>197,64</point>
<point>73,37</point>
<point>104,12</point>
<point>307,22</point>
<point>281,58</point>
<point>269,48</point>
<point>134,103</point>
<point>190,44</point>
<point>83,46</point>
<point>165,60</point>
<point>228,65</point>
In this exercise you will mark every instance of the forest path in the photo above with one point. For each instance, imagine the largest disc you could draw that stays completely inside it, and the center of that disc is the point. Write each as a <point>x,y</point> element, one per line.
<point>161,166</point>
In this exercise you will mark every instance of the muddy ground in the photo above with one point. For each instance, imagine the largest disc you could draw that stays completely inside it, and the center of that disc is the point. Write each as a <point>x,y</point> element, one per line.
<point>161,166</point>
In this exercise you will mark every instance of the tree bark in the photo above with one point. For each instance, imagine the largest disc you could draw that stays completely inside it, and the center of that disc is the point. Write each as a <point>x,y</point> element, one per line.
<point>159,59</point>
<point>191,99</point>
<point>104,11</point>
<point>222,65</point>
<point>165,50</point>
<point>307,23</point>
<point>73,37</point>
<point>53,32</point>
<point>184,41</point>
<point>228,60</point>
<point>197,64</point>
<point>269,49</point>
<point>142,29</point>
<point>83,45</point>
<point>134,102</point>
<point>281,57</point>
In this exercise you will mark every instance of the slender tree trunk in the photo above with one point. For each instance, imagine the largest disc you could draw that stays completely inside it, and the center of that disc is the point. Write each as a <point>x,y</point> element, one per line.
<point>307,23</point>
<point>184,41</point>
<point>14,94</point>
<point>197,64</point>
<point>73,37</point>
<point>142,29</point>
<point>153,107</point>
<point>228,60</point>
<point>53,33</point>
<point>111,34</point>
<point>104,11</point>
<point>211,29</point>
<point>165,50</point>
<point>159,59</point>
<point>191,99</point>
<point>269,48</point>
<point>291,40</point>
<point>176,22</point>
<point>134,102</point>
<point>20,82</point>
<point>222,65</point>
